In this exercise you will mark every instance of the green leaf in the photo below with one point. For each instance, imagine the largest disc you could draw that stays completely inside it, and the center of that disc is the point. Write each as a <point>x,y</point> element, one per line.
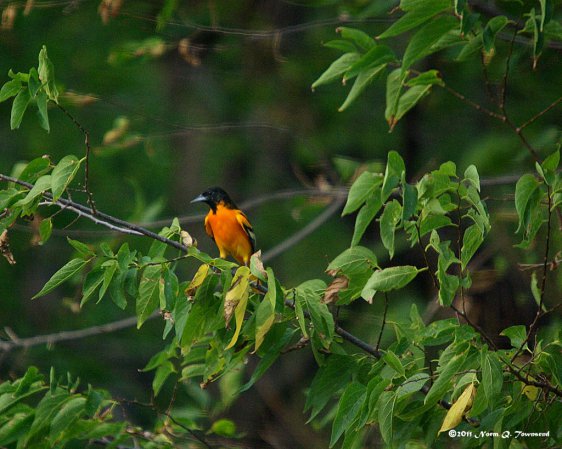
<point>422,12</point>
<point>471,175</point>
<point>109,270</point>
<point>65,273</point>
<point>432,222</point>
<point>534,27</point>
<point>516,334</point>
<point>412,384</point>
<point>92,282</point>
<point>46,71</point>
<point>117,291</point>
<point>356,263</point>
<point>386,403</point>
<point>337,69</point>
<point>10,89</point>
<point>430,77</point>
<point>388,223</point>
<point>392,360</point>
<point>409,200</point>
<point>549,167</point>
<point>275,341</point>
<point>18,108</point>
<point>45,411</point>
<point>446,373</point>
<point>15,428</point>
<point>165,15</point>
<point>395,170</point>
<point>376,57</point>
<point>42,100</point>
<point>493,27</point>
<point>148,298</point>
<point>492,375</point>
<point>392,278</point>
<point>33,84</point>
<point>83,249</point>
<point>448,283</point>
<point>471,47</point>
<point>362,189</point>
<point>309,294</point>
<point>551,161</point>
<point>41,185</point>
<point>524,189</point>
<point>329,379</point>
<point>224,427</point>
<point>63,174</point>
<point>342,45</point>
<point>394,83</point>
<point>45,230</point>
<point>364,78</point>
<point>348,408</point>
<point>353,259</point>
<point>471,241</point>
<point>67,416</point>
<point>409,99</point>
<point>35,169</point>
<point>365,217</point>
<point>358,37</point>
<point>162,373</point>
<point>423,42</point>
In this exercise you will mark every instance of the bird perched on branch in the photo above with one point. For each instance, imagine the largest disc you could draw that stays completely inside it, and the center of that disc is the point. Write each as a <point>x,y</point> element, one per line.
<point>228,226</point>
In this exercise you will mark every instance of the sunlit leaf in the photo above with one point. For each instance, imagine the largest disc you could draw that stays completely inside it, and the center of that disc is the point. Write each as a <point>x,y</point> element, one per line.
<point>455,414</point>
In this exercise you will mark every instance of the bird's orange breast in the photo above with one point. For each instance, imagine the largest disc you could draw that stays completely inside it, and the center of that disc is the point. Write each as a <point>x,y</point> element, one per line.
<point>224,226</point>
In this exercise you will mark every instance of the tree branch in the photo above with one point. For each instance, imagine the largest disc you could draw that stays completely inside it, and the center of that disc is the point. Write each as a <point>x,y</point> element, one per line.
<point>306,231</point>
<point>49,339</point>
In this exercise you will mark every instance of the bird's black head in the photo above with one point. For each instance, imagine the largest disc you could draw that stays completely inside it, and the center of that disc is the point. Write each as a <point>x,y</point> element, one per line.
<point>213,197</point>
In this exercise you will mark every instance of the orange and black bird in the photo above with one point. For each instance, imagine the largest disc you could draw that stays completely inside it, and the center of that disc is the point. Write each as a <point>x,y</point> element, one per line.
<point>228,226</point>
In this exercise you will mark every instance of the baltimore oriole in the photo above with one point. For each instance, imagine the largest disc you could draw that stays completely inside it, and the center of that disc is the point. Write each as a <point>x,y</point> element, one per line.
<point>228,226</point>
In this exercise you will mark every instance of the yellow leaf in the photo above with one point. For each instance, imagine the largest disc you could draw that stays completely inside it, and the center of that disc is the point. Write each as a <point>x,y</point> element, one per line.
<point>531,392</point>
<point>197,280</point>
<point>458,409</point>
<point>265,313</point>
<point>236,301</point>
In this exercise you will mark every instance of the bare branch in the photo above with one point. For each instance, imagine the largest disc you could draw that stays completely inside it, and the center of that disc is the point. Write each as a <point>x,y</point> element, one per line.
<point>540,114</point>
<point>304,232</point>
<point>50,339</point>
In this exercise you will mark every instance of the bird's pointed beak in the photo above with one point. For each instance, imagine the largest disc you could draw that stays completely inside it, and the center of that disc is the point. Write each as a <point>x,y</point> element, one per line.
<point>199,199</point>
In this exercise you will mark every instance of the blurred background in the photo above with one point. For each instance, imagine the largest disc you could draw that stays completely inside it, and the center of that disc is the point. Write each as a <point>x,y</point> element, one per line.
<point>181,96</point>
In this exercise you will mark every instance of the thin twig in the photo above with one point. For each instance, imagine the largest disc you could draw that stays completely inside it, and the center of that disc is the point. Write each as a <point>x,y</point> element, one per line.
<point>545,265</point>
<point>193,433</point>
<point>473,104</point>
<point>87,163</point>
<point>383,321</point>
<point>475,326</point>
<point>503,95</point>
<point>426,260</point>
<point>540,114</point>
